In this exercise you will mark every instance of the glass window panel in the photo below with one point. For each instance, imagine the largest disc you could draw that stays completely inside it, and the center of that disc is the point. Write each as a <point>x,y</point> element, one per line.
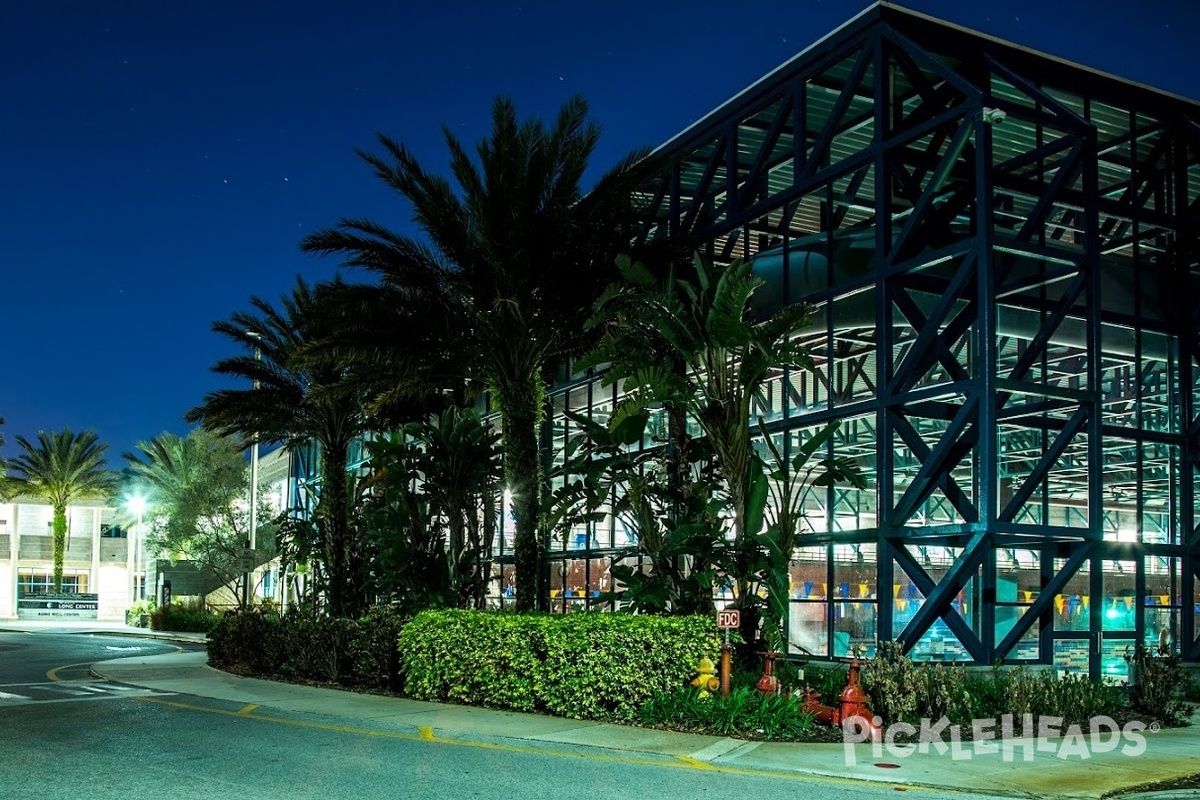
<point>808,628</point>
<point>1018,584</point>
<point>1072,606</point>
<point>854,632</point>
<point>1119,611</point>
<point>808,389</point>
<point>1113,666</point>
<point>1157,373</point>
<point>1071,656</point>
<point>807,576</point>
<point>854,331</point>
<point>1159,492</point>
<point>939,644</point>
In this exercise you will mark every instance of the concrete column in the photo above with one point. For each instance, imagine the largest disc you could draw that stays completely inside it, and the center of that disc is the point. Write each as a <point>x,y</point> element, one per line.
<point>129,577</point>
<point>94,577</point>
<point>14,546</point>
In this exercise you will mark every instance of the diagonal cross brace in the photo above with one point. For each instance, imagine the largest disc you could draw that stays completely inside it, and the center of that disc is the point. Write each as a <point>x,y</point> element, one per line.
<point>839,108</point>
<point>937,346</point>
<point>957,497</point>
<point>938,595</point>
<point>1045,598</point>
<point>1046,330</point>
<point>943,457</point>
<point>944,167</point>
<point>1068,117</point>
<point>1042,468</point>
<point>906,375</point>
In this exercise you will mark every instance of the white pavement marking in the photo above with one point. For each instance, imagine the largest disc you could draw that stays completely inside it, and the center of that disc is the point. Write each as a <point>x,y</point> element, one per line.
<point>11,696</point>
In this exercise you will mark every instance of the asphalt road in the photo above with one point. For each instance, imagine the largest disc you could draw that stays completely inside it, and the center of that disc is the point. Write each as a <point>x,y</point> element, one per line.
<point>66,735</point>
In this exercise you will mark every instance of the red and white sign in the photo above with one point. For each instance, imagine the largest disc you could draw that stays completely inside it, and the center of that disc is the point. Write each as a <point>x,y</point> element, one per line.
<point>729,618</point>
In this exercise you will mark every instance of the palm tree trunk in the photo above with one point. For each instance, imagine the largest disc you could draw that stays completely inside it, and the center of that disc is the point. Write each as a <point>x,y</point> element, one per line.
<point>332,509</point>
<point>520,408</point>
<point>60,545</point>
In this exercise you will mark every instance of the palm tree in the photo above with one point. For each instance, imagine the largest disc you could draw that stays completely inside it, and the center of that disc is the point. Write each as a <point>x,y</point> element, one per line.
<point>62,468</point>
<point>517,255</point>
<point>293,402</point>
<point>700,320</point>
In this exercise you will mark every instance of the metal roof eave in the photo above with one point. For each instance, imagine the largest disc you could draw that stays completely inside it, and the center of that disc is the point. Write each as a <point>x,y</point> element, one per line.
<point>753,95</point>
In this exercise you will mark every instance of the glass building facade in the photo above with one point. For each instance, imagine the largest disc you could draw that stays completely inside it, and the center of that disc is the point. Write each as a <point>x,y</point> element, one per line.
<point>1000,251</point>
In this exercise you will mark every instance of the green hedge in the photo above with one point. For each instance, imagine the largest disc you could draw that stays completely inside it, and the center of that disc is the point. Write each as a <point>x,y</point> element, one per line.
<point>584,665</point>
<point>302,644</point>
<point>184,617</point>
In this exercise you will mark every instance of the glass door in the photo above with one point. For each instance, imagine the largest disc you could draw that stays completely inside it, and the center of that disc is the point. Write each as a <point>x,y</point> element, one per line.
<point>1116,635</point>
<point>1074,639</point>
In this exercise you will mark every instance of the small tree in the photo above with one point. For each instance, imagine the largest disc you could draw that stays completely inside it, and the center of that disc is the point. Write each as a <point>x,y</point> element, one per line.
<point>199,485</point>
<point>687,340</point>
<point>426,509</point>
<point>61,469</point>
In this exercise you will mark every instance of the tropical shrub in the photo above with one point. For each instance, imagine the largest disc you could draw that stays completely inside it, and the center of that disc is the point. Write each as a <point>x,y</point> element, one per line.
<point>1191,692</point>
<point>247,643</point>
<point>1159,686</point>
<point>314,647</point>
<point>585,665</point>
<point>305,645</point>
<point>746,713</point>
<point>138,613</point>
<point>372,648</point>
<point>190,617</point>
<point>903,691</point>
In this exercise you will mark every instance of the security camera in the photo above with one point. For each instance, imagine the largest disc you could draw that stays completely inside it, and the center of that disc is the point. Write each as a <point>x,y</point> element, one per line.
<point>994,116</point>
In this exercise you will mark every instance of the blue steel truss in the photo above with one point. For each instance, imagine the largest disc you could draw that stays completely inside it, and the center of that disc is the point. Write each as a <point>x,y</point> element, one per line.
<point>1002,247</point>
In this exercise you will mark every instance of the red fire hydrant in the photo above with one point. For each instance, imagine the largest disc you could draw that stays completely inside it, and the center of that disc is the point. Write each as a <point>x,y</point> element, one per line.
<point>768,683</point>
<point>852,704</point>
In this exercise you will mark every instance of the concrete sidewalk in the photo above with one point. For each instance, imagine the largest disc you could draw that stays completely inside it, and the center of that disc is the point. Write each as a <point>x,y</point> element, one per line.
<point>1168,754</point>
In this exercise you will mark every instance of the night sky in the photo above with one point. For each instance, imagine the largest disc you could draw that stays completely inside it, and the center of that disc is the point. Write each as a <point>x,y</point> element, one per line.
<point>159,161</point>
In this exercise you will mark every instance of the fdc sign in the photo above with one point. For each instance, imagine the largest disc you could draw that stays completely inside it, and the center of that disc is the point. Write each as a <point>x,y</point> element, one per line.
<point>729,618</point>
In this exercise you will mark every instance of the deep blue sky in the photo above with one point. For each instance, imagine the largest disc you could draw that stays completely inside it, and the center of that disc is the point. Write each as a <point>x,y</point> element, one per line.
<point>160,160</point>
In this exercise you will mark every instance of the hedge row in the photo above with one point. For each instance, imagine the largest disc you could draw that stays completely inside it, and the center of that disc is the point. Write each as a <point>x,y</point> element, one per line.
<point>585,665</point>
<point>189,617</point>
<point>301,644</point>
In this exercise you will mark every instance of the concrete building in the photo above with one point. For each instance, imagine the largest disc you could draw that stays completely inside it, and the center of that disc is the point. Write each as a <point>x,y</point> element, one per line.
<point>99,559</point>
<point>109,560</point>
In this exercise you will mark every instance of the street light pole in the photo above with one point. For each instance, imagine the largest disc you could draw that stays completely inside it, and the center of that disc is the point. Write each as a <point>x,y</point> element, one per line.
<point>253,484</point>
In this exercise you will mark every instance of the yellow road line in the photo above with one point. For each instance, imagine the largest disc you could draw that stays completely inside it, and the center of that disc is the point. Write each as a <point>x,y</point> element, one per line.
<point>52,675</point>
<point>425,734</point>
<point>247,710</point>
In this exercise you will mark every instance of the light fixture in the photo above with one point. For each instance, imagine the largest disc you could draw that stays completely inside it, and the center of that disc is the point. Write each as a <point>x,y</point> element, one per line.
<point>994,116</point>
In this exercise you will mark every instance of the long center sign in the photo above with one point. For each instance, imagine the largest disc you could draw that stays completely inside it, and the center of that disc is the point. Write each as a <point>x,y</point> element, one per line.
<point>729,618</point>
<point>58,606</point>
